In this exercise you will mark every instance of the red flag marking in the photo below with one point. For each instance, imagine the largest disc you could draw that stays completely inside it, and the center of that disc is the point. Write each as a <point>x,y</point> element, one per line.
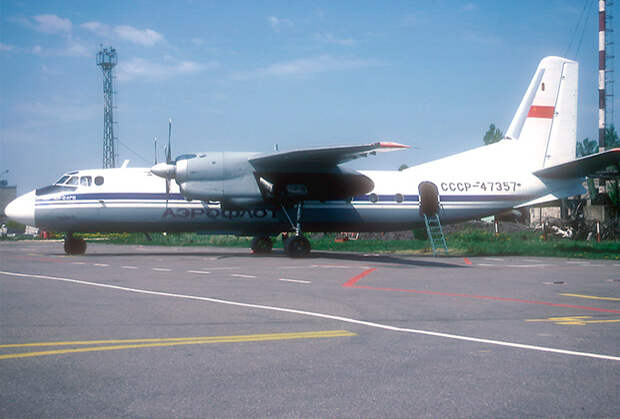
<point>545,112</point>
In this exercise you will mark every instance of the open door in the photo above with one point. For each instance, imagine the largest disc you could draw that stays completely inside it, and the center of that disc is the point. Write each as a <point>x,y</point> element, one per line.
<point>429,198</point>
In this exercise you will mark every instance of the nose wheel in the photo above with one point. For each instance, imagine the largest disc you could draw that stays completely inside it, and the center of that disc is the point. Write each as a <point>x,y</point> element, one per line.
<point>74,246</point>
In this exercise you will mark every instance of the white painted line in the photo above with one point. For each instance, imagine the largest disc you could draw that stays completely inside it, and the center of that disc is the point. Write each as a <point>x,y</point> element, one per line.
<point>128,267</point>
<point>242,276</point>
<point>294,280</point>
<point>102,265</point>
<point>162,269</point>
<point>78,263</point>
<point>495,259</point>
<point>322,316</point>
<point>330,266</point>
<point>224,268</point>
<point>578,262</point>
<point>540,265</point>
<point>531,260</point>
<point>485,264</point>
<point>199,272</point>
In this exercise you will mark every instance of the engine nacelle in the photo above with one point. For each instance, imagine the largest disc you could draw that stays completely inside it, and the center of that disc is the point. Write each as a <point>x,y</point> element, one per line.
<point>217,176</point>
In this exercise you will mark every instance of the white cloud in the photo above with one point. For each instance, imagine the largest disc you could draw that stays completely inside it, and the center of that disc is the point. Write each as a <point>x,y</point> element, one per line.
<point>72,48</point>
<point>150,71</point>
<point>6,47</point>
<point>51,24</point>
<point>278,23</point>
<point>146,37</point>
<point>304,66</point>
<point>329,38</point>
<point>98,28</point>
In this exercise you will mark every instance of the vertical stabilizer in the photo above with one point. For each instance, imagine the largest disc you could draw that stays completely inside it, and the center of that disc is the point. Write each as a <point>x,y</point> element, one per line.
<point>546,121</point>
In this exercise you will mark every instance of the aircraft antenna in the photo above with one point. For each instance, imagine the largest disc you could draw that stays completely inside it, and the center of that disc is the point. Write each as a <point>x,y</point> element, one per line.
<point>106,60</point>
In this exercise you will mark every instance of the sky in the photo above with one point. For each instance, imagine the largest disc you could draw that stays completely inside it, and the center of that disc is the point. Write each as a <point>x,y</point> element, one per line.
<point>246,75</point>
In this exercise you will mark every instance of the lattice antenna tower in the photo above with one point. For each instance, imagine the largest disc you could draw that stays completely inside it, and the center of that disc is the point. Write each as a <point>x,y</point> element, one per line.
<point>106,60</point>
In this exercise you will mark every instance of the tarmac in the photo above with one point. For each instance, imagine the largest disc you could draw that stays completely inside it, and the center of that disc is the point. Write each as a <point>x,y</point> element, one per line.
<point>217,332</point>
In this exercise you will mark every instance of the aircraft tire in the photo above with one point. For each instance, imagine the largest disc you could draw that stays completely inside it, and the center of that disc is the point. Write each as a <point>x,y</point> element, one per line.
<point>74,246</point>
<point>298,247</point>
<point>261,245</point>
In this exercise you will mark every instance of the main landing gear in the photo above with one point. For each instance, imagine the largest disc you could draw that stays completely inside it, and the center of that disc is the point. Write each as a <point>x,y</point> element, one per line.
<point>297,246</point>
<point>261,245</point>
<point>74,246</point>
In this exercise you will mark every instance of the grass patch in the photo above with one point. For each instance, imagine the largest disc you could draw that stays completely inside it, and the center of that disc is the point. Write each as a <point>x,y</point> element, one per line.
<point>462,243</point>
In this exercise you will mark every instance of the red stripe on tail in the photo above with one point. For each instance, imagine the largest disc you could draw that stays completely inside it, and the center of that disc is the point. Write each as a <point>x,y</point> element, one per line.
<point>541,112</point>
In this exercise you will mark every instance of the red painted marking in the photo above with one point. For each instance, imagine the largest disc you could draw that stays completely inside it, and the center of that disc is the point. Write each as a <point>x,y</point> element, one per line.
<point>467,261</point>
<point>389,144</point>
<point>545,112</point>
<point>351,282</point>
<point>487,297</point>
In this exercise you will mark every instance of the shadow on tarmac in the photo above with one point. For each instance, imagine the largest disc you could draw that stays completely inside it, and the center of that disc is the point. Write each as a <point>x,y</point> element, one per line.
<point>278,254</point>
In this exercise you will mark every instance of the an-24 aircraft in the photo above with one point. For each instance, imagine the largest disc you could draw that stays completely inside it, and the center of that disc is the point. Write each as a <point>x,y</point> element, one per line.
<point>264,194</point>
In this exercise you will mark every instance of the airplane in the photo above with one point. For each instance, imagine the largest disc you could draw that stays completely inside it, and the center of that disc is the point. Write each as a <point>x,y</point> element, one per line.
<point>307,190</point>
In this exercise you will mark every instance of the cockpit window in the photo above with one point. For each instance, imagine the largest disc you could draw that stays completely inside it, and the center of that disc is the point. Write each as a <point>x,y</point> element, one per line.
<point>73,180</point>
<point>99,180</point>
<point>85,180</point>
<point>62,180</point>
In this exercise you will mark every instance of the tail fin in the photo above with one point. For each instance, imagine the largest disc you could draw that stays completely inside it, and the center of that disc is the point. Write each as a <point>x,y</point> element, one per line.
<point>546,120</point>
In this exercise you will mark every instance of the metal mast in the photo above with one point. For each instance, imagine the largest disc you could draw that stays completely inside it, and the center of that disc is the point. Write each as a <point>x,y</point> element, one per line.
<point>106,60</point>
<point>605,71</point>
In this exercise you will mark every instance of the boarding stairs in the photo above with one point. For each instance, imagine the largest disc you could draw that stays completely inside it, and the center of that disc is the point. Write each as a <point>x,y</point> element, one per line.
<point>435,233</point>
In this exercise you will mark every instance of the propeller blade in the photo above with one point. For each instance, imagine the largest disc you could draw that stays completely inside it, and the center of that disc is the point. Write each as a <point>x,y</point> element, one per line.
<point>169,149</point>
<point>167,191</point>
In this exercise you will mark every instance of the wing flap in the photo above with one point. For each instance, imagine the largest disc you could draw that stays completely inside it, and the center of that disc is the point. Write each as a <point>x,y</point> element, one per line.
<point>581,167</point>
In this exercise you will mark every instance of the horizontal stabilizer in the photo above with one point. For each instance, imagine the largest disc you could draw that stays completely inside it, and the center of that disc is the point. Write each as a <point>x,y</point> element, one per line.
<point>320,157</point>
<point>581,167</point>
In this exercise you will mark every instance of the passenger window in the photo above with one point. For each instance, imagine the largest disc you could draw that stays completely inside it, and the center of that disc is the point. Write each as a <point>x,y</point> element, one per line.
<point>373,198</point>
<point>85,180</point>
<point>99,180</point>
<point>73,180</point>
<point>399,198</point>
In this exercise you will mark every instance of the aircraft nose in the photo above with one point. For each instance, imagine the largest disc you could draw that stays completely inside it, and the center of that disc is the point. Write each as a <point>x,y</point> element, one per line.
<point>21,209</point>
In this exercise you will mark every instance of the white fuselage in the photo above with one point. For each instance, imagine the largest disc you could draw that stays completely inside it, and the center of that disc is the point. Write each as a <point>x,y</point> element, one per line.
<point>480,182</point>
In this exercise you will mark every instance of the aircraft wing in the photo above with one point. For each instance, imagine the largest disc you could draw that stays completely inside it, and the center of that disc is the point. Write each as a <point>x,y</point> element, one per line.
<point>319,158</point>
<point>581,167</point>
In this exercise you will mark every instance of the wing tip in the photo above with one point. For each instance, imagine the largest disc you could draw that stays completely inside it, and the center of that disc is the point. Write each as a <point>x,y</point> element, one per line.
<point>391,144</point>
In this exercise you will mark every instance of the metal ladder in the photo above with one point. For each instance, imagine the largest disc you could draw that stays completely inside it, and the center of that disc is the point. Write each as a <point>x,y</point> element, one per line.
<point>435,233</point>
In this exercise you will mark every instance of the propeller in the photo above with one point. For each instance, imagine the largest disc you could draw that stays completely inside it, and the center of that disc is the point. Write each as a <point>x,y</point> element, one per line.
<point>166,170</point>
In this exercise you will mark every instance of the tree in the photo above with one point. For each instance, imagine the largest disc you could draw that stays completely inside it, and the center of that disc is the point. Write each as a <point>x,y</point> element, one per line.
<point>492,135</point>
<point>402,167</point>
<point>586,147</point>
<point>611,137</point>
